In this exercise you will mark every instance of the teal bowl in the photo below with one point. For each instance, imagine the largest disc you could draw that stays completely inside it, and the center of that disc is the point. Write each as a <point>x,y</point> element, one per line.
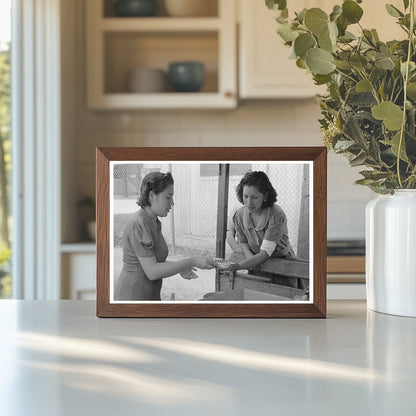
<point>186,76</point>
<point>135,8</point>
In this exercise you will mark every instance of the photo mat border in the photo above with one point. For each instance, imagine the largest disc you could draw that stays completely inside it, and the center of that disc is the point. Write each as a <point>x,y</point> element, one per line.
<point>314,309</point>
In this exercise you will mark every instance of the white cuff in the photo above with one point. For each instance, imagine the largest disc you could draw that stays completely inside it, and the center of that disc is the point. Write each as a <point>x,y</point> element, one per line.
<point>268,246</point>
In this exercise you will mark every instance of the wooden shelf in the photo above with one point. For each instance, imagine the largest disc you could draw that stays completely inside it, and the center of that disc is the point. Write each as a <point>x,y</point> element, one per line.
<point>160,24</point>
<point>164,100</point>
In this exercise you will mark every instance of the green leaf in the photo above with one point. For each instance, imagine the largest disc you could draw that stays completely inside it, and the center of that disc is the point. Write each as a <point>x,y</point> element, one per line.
<point>344,65</point>
<point>287,33</point>
<point>358,160</point>
<point>353,130</point>
<point>316,20</point>
<point>412,67</point>
<point>358,61</point>
<point>325,42</point>
<point>336,12</point>
<point>301,63</point>
<point>391,114</point>
<point>374,174</point>
<point>343,145</point>
<point>321,79</point>
<point>301,15</point>
<point>365,182</point>
<point>394,143</point>
<point>368,36</point>
<point>374,150</point>
<point>347,37</point>
<point>384,62</point>
<point>363,86</point>
<point>319,61</point>
<point>342,25</point>
<point>333,32</point>
<point>351,11</point>
<point>375,35</point>
<point>393,11</point>
<point>303,43</point>
<point>406,4</point>
<point>276,4</point>
<point>411,90</point>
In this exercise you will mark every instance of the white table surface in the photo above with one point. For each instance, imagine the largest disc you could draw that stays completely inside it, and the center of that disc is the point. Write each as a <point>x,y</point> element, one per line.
<point>57,358</point>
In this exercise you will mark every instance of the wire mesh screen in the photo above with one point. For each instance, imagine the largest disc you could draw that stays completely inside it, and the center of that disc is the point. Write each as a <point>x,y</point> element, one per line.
<point>190,228</point>
<point>290,181</point>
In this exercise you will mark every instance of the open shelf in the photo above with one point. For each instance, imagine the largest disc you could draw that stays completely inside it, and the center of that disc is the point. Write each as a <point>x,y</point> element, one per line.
<point>118,45</point>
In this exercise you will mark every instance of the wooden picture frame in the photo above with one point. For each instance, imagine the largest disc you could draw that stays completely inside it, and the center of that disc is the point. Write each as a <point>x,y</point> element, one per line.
<point>235,303</point>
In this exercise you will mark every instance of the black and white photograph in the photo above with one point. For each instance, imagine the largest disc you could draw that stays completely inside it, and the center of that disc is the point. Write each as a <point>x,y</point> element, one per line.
<point>196,231</point>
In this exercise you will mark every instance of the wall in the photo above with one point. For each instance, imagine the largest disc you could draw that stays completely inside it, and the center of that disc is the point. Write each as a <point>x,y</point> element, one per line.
<point>253,123</point>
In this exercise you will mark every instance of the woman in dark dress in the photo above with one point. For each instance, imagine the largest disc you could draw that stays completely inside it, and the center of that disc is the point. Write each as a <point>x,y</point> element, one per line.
<point>144,248</point>
<point>260,224</point>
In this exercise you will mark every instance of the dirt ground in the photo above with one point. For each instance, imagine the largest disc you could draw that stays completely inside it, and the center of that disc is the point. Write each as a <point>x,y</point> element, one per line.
<point>175,287</point>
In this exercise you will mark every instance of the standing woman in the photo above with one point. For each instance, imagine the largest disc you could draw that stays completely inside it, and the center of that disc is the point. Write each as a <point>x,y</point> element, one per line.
<point>261,224</point>
<point>144,248</point>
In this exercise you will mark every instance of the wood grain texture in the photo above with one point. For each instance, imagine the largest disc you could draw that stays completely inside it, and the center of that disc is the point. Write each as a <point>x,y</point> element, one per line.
<point>317,309</point>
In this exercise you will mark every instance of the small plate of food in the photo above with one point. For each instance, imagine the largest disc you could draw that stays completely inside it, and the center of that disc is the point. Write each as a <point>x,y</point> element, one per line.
<point>221,263</point>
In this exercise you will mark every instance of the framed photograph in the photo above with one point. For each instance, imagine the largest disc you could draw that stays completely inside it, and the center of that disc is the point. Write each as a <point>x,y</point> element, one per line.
<point>211,232</point>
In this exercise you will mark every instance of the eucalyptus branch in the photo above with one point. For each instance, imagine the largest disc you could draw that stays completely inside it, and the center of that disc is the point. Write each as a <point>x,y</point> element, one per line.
<point>346,75</point>
<point>392,91</point>
<point>373,88</point>
<point>405,81</point>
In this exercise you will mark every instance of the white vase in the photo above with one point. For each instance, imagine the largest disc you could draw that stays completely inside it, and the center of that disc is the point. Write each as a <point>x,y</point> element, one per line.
<point>391,253</point>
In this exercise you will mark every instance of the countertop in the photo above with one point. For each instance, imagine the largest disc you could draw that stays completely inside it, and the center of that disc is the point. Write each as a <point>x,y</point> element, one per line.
<point>57,358</point>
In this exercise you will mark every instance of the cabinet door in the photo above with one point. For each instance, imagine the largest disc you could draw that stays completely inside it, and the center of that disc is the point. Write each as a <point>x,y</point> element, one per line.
<point>78,276</point>
<point>265,69</point>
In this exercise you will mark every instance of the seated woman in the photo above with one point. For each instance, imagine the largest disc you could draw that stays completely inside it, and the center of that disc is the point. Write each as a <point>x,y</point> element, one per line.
<point>261,224</point>
<point>144,248</point>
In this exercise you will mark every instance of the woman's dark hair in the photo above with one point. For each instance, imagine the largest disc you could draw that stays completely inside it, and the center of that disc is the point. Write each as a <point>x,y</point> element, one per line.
<point>156,182</point>
<point>262,183</point>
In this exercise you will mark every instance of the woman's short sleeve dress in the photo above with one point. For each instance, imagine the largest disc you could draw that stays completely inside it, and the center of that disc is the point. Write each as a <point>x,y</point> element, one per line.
<point>142,238</point>
<point>272,227</point>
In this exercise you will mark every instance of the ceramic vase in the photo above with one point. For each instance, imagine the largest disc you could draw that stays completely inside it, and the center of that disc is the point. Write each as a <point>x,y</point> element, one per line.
<point>391,253</point>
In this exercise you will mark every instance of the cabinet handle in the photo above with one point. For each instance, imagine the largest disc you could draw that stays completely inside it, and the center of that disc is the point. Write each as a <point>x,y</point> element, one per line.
<point>229,94</point>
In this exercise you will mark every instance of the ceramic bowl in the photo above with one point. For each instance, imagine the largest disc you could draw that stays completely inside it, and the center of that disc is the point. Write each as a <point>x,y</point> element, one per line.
<point>135,8</point>
<point>186,76</point>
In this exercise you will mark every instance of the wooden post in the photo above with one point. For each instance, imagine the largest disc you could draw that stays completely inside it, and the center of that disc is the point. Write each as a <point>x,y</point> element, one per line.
<point>303,233</point>
<point>222,210</point>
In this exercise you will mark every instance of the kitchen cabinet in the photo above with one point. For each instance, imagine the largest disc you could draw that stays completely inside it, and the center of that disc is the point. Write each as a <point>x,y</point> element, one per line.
<point>118,45</point>
<point>78,263</point>
<point>265,70</point>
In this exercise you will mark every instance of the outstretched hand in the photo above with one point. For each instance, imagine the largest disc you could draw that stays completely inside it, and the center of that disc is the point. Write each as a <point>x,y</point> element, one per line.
<point>231,267</point>
<point>203,262</point>
<point>189,274</point>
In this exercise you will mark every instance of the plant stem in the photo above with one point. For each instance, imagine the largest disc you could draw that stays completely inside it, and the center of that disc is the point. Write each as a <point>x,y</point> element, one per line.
<point>373,88</point>
<point>346,75</point>
<point>405,81</point>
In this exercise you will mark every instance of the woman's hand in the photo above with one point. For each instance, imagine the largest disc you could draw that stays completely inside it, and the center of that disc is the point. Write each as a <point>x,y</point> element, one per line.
<point>189,274</point>
<point>232,267</point>
<point>203,262</point>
